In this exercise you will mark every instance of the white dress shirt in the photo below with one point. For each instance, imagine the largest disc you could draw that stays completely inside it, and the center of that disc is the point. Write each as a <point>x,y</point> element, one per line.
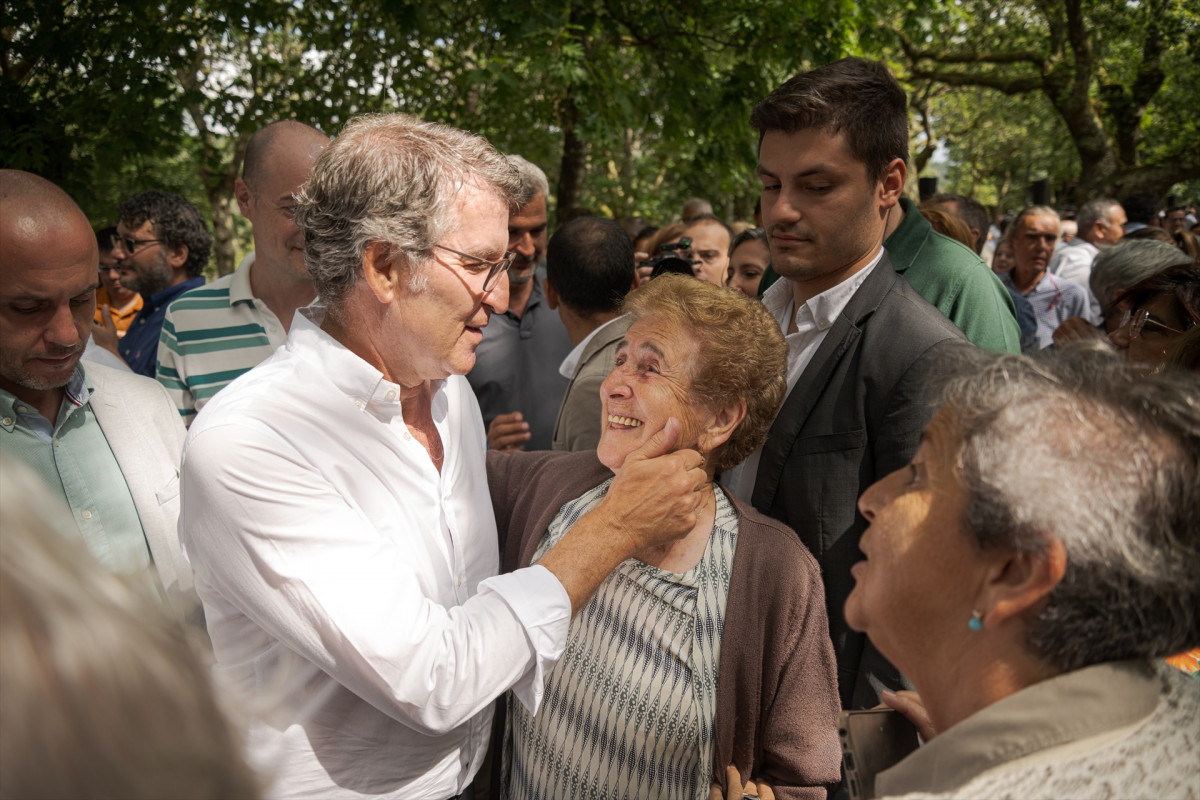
<point>1073,261</point>
<point>814,318</point>
<point>350,588</point>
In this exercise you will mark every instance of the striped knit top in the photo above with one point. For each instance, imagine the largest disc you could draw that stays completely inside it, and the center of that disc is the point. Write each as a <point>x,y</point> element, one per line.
<point>628,711</point>
<point>211,336</point>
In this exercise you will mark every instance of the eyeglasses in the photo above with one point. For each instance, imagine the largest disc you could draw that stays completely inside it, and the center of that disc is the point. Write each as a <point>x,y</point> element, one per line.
<point>476,264</point>
<point>1138,319</point>
<point>129,244</point>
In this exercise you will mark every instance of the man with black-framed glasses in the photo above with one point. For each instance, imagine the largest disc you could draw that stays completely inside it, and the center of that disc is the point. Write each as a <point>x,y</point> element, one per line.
<point>161,248</point>
<point>334,500</point>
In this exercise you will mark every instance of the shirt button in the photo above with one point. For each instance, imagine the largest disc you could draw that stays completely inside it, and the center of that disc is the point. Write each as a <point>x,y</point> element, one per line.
<point>391,395</point>
<point>460,580</point>
<point>8,421</point>
<point>407,436</point>
<point>86,514</point>
<point>56,442</point>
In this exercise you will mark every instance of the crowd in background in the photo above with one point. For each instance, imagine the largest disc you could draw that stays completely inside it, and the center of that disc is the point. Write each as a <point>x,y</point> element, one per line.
<point>458,505</point>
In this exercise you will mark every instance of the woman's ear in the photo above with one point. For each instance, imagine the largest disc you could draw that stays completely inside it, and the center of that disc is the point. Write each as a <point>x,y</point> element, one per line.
<point>721,426</point>
<point>382,275</point>
<point>1017,586</point>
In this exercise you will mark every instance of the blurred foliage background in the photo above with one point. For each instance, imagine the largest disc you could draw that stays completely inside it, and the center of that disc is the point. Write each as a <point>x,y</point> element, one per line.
<point>630,107</point>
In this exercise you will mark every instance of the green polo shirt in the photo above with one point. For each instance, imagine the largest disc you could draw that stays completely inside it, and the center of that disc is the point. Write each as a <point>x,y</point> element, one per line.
<point>74,460</point>
<point>952,277</point>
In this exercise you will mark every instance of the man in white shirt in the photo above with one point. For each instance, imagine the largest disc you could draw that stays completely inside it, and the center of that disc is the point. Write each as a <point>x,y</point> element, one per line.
<point>1101,224</point>
<point>335,504</point>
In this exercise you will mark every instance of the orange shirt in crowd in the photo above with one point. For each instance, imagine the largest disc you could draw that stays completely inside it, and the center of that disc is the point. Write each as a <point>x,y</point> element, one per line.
<point>122,317</point>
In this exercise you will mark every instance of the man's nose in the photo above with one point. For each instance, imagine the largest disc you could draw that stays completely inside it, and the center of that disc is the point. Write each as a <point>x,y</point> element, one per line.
<point>496,298</point>
<point>62,331</point>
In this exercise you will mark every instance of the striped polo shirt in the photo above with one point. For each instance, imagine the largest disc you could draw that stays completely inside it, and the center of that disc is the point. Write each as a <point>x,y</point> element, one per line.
<point>211,335</point>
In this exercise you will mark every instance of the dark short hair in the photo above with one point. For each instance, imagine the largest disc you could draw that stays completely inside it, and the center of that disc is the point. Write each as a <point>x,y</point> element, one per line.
<point>1141,207</point>
<point>853,96</point>
<point>748,235</point>
<point>970,211</point>
<point>104,238</point>
<point>176,221</point>
<point>589,262</point>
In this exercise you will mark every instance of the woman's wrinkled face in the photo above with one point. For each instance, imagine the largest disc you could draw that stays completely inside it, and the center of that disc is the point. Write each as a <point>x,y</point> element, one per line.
<point>921,572</point>
<point>649,383</point>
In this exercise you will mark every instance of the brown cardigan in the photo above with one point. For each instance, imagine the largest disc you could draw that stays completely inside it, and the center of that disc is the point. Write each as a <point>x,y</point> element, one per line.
<point>777,698</point>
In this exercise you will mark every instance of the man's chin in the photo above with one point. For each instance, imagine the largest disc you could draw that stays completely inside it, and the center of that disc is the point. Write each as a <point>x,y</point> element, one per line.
<point>520,277</point>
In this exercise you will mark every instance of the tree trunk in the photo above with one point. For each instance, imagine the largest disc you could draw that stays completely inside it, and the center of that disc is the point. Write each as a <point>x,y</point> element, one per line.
<point>574,162</point>
<point>224,249</point>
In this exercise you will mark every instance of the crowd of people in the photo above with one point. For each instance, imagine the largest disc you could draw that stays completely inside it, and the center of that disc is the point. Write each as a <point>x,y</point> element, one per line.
<point>423,501</point>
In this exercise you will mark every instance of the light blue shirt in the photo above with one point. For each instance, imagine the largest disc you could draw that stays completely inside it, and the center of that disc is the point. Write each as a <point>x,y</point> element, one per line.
<point>73,458</point>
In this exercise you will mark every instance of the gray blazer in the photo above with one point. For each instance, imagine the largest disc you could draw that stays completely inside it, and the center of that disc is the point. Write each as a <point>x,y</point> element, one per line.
<point>855,415</point>
<point>578,424</point>
<point>146,435</point>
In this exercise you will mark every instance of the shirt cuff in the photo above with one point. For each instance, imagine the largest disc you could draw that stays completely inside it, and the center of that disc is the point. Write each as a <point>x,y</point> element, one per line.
<point>543,607</point>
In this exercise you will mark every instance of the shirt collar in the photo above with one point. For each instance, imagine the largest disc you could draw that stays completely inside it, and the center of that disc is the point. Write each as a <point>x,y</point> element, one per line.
<point>1060,710</point>
<point>76,394</point>
<point>364,385</point>
<point>567,368</point>
<point>239,284</point>
<point>820,311</point>
<point>161,298</point>
<point>905,242</point>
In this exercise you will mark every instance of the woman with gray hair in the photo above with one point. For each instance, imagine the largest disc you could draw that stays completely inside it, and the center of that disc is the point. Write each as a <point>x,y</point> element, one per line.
<point>713,651</point>
<point>1029,571</point>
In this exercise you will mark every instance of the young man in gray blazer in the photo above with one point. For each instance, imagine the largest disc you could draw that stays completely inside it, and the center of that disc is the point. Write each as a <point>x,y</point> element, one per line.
<point>832,156</point>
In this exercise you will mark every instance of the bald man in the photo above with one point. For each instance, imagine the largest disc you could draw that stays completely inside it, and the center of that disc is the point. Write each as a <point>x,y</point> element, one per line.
<point>214,334</point>
<point>107,442</point>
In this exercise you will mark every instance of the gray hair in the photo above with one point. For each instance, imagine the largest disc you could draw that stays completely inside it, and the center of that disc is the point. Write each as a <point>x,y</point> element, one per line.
<point>1128,262</point>
<point>1081,447</point>
<point>1094,211</point>
<point>533,180</point>
<point>389,178</point>
<point>1033,211</point>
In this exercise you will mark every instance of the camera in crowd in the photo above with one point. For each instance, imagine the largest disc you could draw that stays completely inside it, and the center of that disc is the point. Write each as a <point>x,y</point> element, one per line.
<point>672,257</point>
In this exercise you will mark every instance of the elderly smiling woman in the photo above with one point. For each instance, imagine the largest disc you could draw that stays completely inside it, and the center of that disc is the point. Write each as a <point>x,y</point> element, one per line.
<point>712,651</point>
<point>1029,571</point>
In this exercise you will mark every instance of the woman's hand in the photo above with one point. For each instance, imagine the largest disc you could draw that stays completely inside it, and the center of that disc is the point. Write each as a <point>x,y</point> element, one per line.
<point>736,791</point>
<point>909,704</point>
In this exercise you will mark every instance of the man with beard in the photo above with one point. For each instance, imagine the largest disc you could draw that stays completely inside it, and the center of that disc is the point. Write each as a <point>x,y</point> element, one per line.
<point>107,443</point>
<point>516,378</point>
<point>161,248</point>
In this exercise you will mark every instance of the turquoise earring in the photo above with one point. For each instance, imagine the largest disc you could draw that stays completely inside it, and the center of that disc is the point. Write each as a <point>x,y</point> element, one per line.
<point>976,621</point>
